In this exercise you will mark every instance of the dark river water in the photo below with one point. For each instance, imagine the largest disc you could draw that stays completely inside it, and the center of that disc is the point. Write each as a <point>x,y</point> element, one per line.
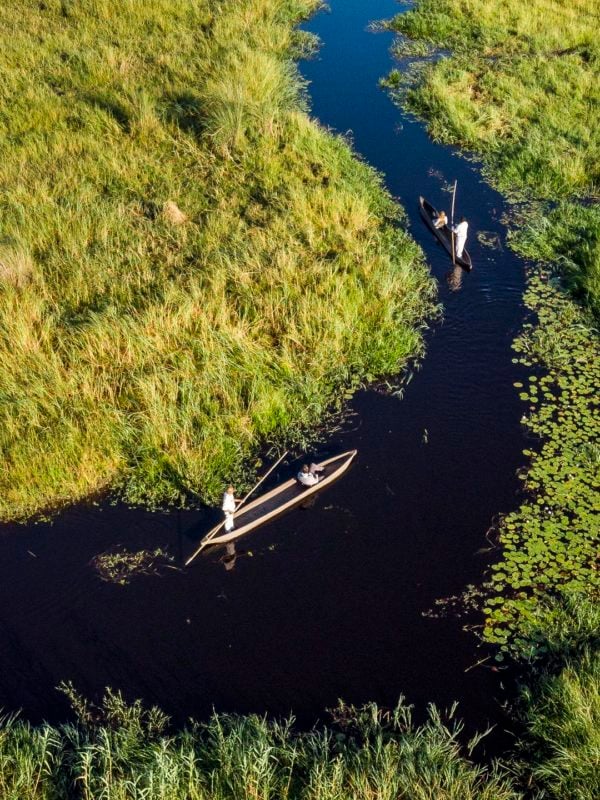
<point>326,602</point>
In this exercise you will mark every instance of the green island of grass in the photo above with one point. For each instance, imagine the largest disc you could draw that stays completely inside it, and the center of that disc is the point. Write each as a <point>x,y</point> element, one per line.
<point>190,268</point>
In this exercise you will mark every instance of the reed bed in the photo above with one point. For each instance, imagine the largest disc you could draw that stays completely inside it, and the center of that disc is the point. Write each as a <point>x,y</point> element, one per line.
<point>129,756</point>
<point>189,267</point>
<point>120,751</point>
<point>560,709</point>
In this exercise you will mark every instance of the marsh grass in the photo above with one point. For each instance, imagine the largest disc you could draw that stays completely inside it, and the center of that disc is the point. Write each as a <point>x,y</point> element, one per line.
<point>564,726</point>
<point>520,87</point>
<point>566,239</point>
<point>560,709</point>
<point>154,353</point>
<point>120,751</point>
<point>126,753</point>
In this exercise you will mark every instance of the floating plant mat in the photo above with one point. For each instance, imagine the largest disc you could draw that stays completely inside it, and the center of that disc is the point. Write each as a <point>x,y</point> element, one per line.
<point>120,565</point>
<point>551,543</point>
<point>489,239</point>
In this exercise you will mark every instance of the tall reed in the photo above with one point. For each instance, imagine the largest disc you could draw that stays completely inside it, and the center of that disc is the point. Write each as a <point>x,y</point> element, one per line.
<point>371,754</point>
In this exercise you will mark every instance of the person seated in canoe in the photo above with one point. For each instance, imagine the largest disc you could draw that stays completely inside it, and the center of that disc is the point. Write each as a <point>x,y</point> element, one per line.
<point>441,220</point>
<point>228,507</point>
<point>309,475</point>
<point>460,231</point>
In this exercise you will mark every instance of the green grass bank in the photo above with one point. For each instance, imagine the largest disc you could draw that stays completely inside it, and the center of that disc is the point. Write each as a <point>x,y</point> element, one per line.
<point>189,267</point>
<point>517,83</point>
<point>520,87</point>
<point>116,751</point>
<point>128,754</point>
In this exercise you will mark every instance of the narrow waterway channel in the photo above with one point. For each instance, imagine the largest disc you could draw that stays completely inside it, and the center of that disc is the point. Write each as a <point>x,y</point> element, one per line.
<point>326,602</point>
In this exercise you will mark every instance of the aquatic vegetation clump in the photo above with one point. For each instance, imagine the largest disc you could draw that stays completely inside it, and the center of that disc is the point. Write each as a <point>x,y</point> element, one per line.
<point>120,565</point>
<point>550,544</point>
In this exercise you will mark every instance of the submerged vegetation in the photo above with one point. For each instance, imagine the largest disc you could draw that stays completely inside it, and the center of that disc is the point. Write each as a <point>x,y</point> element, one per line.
<point>188,265</point>
<point>120,565</point>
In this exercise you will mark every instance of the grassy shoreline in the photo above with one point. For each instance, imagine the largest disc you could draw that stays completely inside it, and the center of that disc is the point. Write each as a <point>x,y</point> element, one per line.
<point>128,755</point>
<point>518,88</point>
<point>189,267</point>
<point>120,751</point>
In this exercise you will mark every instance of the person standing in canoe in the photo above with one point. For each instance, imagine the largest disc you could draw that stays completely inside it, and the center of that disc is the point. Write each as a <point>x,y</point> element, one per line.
<point>441,220</point>
<point>460,231</point>
<point>229,505</point>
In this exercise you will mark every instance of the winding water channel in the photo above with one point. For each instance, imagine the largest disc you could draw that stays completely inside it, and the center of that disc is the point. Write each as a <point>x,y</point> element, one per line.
<point>326,602</point>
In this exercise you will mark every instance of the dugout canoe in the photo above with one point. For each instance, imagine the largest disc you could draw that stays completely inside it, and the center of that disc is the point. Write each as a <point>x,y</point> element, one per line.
<point>444,235</point>
<point>280,499</point>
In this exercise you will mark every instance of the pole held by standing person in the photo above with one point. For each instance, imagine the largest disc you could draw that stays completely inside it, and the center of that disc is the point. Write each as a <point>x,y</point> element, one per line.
<point>230,505</point>
<point>452,223</point>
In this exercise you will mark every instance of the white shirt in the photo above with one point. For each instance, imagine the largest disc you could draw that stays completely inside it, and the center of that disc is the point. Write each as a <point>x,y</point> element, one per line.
<point>308,478</point>
<point>228,503</point>
<point>461,229</point>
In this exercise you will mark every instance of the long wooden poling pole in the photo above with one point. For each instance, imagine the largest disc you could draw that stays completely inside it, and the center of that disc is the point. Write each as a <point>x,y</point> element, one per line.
<point>203,544</point>
<point>452,225</point>
<point>264,478</point>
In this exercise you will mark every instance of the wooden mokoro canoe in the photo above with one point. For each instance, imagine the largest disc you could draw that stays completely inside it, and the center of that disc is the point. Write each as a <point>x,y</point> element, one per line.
<point>279,499</point>
<point>429,214</point>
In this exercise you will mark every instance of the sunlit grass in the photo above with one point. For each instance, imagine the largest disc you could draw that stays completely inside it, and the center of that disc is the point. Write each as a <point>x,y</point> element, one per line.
<point>154,350</point>
<point>561,707</point>
<point>127,754</point>
<point>520,86</point>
